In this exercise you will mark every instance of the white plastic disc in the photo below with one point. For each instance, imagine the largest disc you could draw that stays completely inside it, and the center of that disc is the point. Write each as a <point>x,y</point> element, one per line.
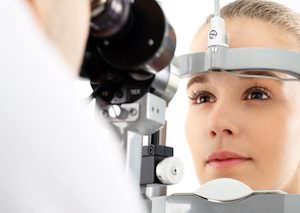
<point>224,189</point>
<point>170,170</point>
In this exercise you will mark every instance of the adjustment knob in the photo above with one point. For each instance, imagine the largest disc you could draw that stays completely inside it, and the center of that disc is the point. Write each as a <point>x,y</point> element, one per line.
<point>170,170</point>
<point>114,111</point>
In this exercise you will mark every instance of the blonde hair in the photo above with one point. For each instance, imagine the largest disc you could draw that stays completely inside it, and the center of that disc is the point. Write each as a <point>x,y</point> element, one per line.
<point>268,11</point>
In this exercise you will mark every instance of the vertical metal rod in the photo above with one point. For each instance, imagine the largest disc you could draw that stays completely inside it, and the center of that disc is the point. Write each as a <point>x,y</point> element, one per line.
<point>154,138</point>
<point>163,135</point>
<point>134,146</point>
<point>156,190</point>
<point>217,7</point>
<point>159,137</point>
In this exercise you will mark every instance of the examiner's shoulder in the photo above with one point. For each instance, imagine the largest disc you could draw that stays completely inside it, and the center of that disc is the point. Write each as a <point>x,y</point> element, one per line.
<point>54,158</point>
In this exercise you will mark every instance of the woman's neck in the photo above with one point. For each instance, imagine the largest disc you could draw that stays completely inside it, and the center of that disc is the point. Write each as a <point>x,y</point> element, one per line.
<point>293,185</point>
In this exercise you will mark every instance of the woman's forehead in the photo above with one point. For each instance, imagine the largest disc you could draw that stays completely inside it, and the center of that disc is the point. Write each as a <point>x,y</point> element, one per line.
<point>242,76</point>
<point>246,32</point>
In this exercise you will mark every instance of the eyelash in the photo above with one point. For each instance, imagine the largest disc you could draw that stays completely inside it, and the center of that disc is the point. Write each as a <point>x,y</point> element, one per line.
<point>197,95</point>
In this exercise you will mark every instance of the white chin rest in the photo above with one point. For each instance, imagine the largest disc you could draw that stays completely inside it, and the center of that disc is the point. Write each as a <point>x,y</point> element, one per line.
<point>224,189</point>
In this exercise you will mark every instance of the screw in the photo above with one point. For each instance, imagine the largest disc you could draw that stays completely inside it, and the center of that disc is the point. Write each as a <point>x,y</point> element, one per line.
<point>133,111</point>
<point>213,34</point>
<point>150,150</point>
<point>119,94</point>
<point>114,111</point>
<point>174,170</point>
<point>150,42</point>
<point>106,42</point>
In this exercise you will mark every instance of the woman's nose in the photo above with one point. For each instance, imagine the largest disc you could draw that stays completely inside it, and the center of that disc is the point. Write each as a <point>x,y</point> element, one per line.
<point>223,121</point>
<point>224,131</point>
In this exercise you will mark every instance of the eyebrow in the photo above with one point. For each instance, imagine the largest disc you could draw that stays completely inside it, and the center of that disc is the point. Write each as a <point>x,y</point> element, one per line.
<point>203,78</point>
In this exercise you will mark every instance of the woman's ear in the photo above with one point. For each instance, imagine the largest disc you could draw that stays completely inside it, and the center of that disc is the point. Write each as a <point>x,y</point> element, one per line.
<point>64,28</point>
<point>36,10</point>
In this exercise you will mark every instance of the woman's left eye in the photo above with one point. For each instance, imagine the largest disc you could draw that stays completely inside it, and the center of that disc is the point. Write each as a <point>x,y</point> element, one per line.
<point>257,93</point>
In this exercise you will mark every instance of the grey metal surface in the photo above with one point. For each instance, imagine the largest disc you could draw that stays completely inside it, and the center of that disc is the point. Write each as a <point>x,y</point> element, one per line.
<point>292,203</point>
<point>154,190</point>
<point>257,203</point>
<point>223,58</point>
<point>217,7</point>
<point>165,84</point>
<point>133,150</point>
<point>151,116</point>
<point>163,135</point>
<point>145,116</point>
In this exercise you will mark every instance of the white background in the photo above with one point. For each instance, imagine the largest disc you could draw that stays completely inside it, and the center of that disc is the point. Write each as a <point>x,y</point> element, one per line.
<point>185,16</point>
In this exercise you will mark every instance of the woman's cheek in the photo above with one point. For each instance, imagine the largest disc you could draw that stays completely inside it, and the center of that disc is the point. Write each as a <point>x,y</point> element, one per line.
<point>268,129</point>
<point>196,121</point>
<point>191,129</point>
<point>194,132</point>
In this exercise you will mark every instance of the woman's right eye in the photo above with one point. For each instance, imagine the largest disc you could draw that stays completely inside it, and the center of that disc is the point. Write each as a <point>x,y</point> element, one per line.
<point>201,97</point>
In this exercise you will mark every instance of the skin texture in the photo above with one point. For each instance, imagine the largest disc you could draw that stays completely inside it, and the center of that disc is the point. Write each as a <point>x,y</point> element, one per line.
<point>255,118</point>
<point>66,23</point>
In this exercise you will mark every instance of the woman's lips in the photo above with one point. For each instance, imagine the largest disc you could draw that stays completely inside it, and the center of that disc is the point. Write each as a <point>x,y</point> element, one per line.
<point>223,159</point>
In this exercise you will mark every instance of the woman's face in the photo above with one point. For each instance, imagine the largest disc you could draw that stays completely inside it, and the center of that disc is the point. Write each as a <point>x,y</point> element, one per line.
<point>257,119</point>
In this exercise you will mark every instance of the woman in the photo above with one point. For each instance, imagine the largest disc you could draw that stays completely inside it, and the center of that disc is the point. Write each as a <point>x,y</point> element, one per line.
<point>248,128</point>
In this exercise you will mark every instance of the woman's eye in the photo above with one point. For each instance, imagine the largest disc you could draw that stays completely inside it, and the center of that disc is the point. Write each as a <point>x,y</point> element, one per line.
<point>260,94</point>
<point>202,97</point>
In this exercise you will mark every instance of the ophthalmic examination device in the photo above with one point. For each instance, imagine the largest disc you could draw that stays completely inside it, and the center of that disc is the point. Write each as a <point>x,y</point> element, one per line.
<point>130,63</point>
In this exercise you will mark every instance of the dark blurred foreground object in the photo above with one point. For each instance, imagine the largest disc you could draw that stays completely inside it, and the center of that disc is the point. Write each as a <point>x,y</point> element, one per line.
<point>129,43</point>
